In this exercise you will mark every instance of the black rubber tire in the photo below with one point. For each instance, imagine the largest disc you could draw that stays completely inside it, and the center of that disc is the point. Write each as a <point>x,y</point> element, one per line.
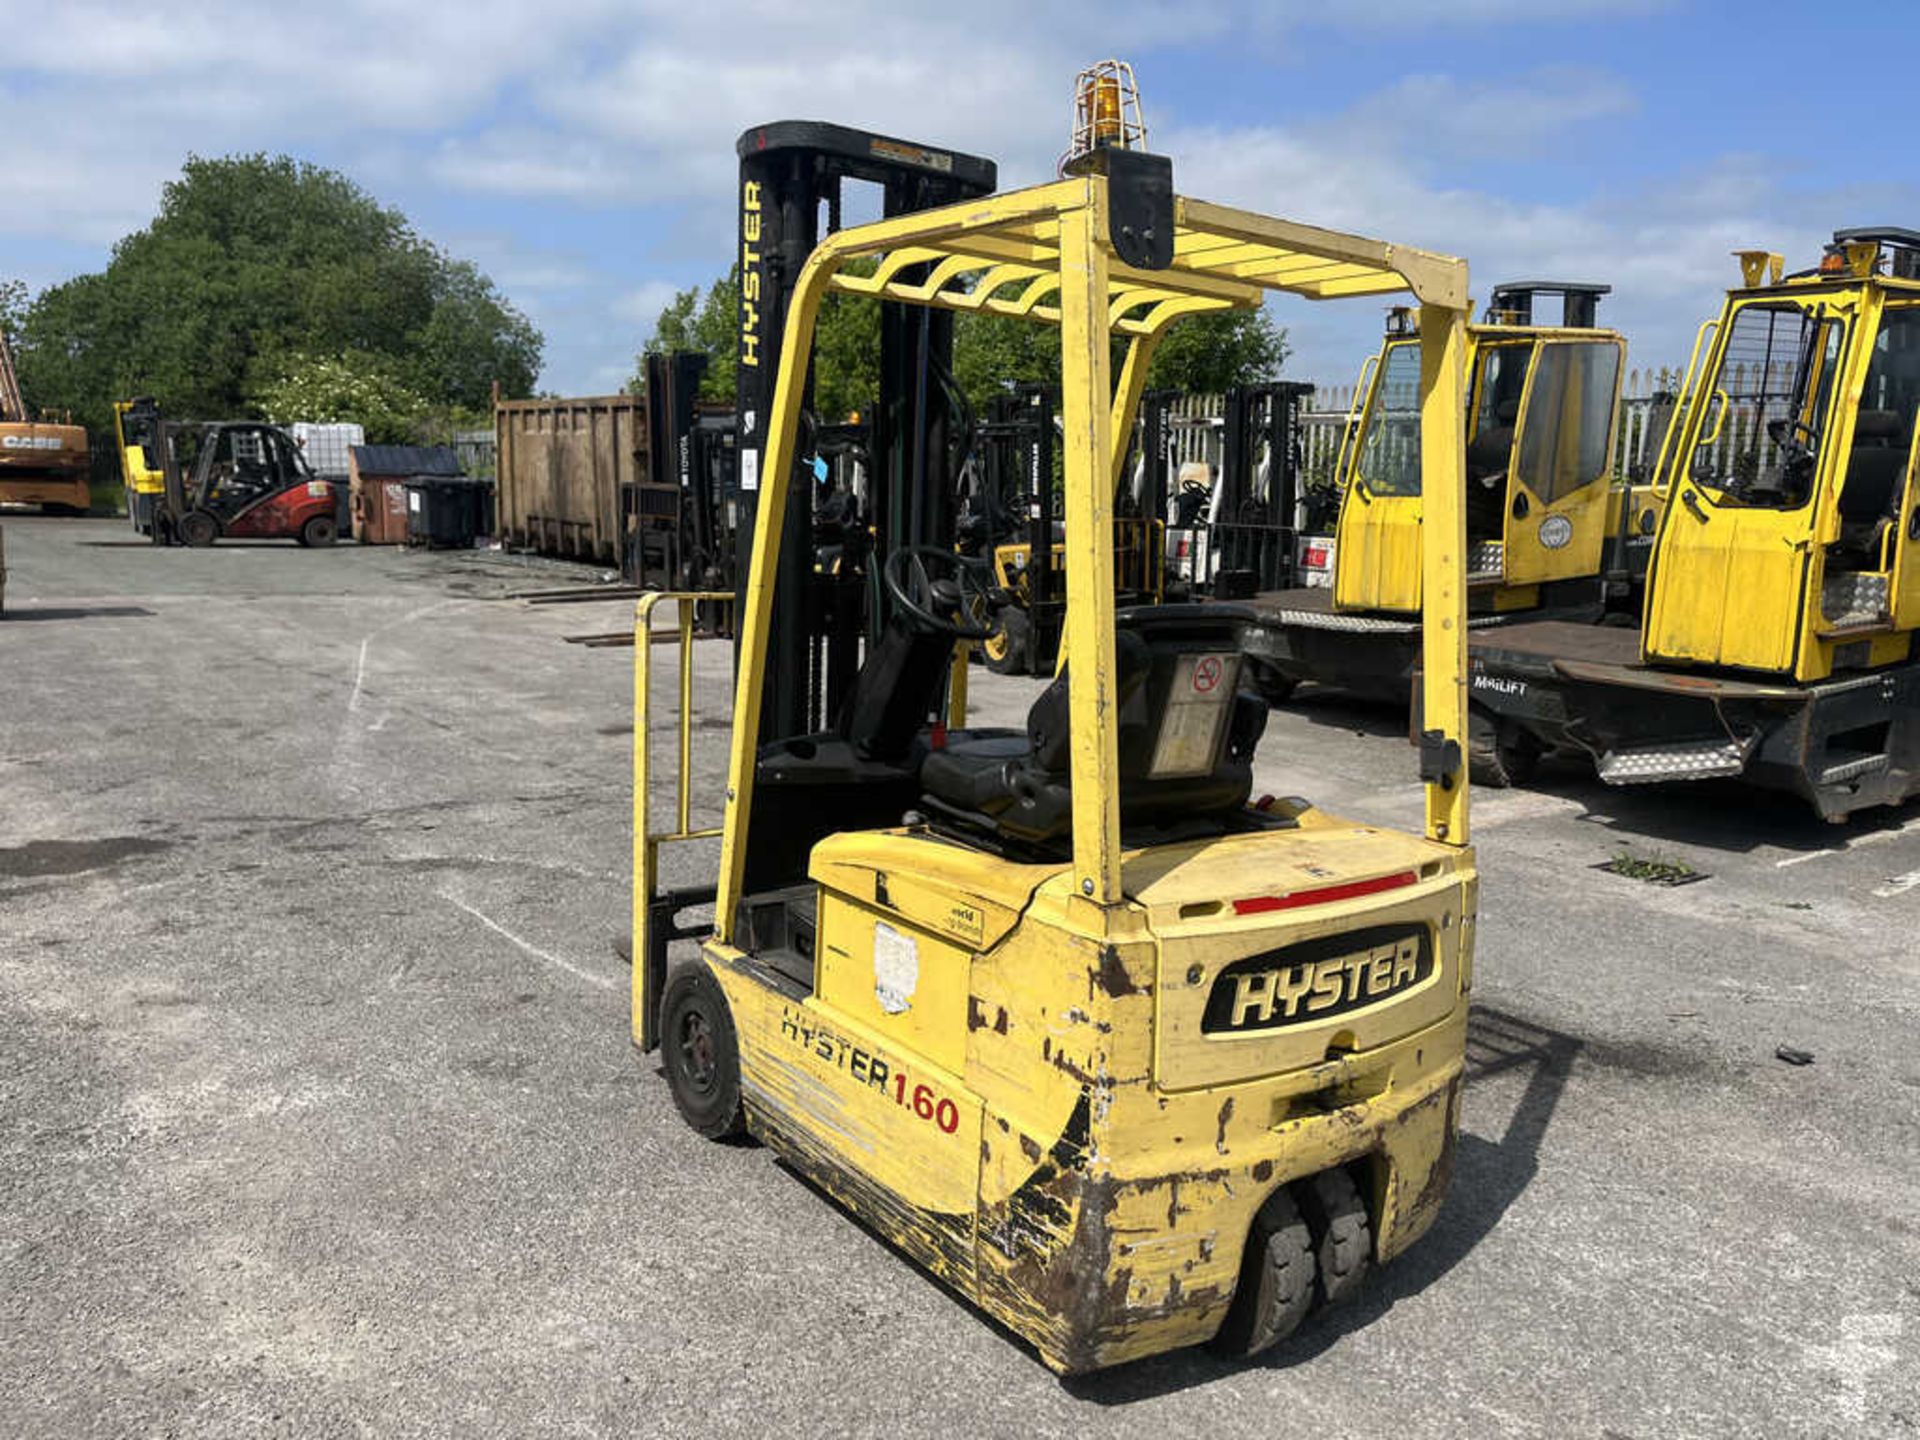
<point>1276,1281</point>
<point>1500,754</point>
<point>1269,683</point>
<point>1015,658</point>
<point>1342,1234</point>
<point>197,528</point>
<point>701,1053</point>
<point>319,531</point>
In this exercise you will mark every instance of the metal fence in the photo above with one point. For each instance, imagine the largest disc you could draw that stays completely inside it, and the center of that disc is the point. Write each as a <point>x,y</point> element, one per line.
<point>1647,398</point>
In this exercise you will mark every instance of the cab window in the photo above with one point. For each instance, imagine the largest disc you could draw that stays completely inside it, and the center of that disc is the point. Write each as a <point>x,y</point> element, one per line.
<point>1776,374</point>
<point>1569,419</point>
<point>1390,449</point>
<point>1883,426</point>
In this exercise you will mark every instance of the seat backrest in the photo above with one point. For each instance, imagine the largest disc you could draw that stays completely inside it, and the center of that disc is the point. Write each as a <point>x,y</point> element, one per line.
<point>1158,650</point>
<point>895,691</point>
<point>1875,466</point>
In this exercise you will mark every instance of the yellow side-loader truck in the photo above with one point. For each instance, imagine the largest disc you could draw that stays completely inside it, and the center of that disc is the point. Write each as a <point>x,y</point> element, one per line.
<point>1127,1061</point>
<point>1548,532</point>
<point>1784,595</point>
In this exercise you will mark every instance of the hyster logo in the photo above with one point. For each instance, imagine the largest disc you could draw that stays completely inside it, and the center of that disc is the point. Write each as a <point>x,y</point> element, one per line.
<point>1318,980</point>
<point>750,273</point>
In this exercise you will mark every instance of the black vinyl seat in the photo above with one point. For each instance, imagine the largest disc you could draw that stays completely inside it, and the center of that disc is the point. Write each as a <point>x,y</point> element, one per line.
<point>1015,785</point>
<point>1875,466</point>
<point>1489,456</point>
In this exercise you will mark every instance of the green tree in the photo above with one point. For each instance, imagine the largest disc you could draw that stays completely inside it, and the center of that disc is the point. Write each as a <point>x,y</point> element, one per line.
<point>253,264</point>
<point>707,323</point>
<point>1204,353</point>
<point>369,389</point>
<point>13,306</point>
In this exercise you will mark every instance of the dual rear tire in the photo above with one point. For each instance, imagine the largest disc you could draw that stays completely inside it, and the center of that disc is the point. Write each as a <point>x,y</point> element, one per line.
<point>1310,1246</point>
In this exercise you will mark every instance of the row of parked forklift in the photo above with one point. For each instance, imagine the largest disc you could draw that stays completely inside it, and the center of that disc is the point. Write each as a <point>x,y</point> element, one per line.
<point>1124,1055</point>
<point>1748,610</point>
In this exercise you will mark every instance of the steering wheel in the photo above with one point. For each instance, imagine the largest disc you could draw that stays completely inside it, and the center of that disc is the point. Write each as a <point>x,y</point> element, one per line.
<point>936,586</point>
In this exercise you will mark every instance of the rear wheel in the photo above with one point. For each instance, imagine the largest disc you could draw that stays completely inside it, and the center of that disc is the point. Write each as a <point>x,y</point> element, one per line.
<point>702,1053</point>
<point>1272,686</point>
<point>1276,1281</point>
<point>1499,753</point>
<point>320,530</point>
<point>1342,1236</point>
<point>197,527</point>
<point>1007,650</point>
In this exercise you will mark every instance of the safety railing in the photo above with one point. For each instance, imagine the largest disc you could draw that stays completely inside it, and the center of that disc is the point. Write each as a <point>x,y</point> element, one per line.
<point>656,922</point>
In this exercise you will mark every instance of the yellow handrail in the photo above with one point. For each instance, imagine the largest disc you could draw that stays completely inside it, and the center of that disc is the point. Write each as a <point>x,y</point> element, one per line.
<point>646,839</point>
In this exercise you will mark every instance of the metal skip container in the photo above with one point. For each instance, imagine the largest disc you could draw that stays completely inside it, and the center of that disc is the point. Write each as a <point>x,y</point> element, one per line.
<point>563,467</point>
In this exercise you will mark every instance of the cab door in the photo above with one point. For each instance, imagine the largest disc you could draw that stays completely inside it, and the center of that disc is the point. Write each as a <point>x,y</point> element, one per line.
<point>1556,514</point>
<point>1905,587</point>
<point>1377,551</point>
<point>1731,581</point>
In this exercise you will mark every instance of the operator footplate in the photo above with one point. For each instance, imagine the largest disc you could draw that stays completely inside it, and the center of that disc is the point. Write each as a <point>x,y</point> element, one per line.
<point>1677,760</point>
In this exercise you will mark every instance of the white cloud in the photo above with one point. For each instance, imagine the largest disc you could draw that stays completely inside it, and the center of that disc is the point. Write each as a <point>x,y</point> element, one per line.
<point>577,104</point>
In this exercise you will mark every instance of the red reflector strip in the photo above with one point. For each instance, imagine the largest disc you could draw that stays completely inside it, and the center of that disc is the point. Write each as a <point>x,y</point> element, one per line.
<point>1323,895</point>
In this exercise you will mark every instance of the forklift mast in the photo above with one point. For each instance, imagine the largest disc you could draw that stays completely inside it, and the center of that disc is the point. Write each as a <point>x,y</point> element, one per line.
<point>1512,303</point>
<point>674,468</point>
<point>790,173</point>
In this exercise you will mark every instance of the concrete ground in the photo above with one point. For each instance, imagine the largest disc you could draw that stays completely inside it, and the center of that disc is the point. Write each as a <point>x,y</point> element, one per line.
<point>318,1115</point>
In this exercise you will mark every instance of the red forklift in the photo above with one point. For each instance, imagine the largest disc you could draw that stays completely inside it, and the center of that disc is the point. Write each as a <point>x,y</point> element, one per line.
<point>241,479</point>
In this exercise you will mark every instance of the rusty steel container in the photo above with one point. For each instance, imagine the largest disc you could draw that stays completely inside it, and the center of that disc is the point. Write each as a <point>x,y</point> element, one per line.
<point>563,470</point>
<point>377,478</point>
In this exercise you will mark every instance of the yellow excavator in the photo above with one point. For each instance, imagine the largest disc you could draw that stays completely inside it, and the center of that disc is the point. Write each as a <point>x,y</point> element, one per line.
<point>1547,530</point>
<point>1784,596</point>
<point>44,460</point>
<point>1123,1056</point>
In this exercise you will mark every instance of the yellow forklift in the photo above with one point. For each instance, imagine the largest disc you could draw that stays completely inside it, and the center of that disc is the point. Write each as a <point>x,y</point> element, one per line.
<point>141,435</point>
<point>1016,446</point>
<point>1778,644</point>
<point>1125,1060</point>
<point>1547,531</point>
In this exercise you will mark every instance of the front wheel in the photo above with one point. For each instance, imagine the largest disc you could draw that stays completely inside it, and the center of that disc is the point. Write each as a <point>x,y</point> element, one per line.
<point>1273,687</point>
<point>320,530</point>
<point>701,1052</point>
<point>1499,753</point>
<point>197,528</point>
<point>1006,650</point>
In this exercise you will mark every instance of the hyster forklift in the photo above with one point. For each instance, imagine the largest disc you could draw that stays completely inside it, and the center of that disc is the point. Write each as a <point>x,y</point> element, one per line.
<point>1778,644</point>
<point>141,432</point>
<point>238,478</point>
<point>1125,1060</point>
<point>1018,444</point>
<point>1547,531</point>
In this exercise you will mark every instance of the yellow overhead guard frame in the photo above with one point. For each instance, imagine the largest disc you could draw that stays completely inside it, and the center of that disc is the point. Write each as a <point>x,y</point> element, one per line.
<point>1051,253</point>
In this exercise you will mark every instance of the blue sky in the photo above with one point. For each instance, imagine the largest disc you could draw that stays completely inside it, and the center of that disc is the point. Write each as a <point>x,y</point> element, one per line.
<point>581,151</point>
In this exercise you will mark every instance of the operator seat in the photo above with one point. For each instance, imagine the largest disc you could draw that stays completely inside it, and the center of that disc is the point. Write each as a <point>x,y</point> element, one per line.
<point>1489,457</point>
<point>1186,737</point>
<point>1875,466</point>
